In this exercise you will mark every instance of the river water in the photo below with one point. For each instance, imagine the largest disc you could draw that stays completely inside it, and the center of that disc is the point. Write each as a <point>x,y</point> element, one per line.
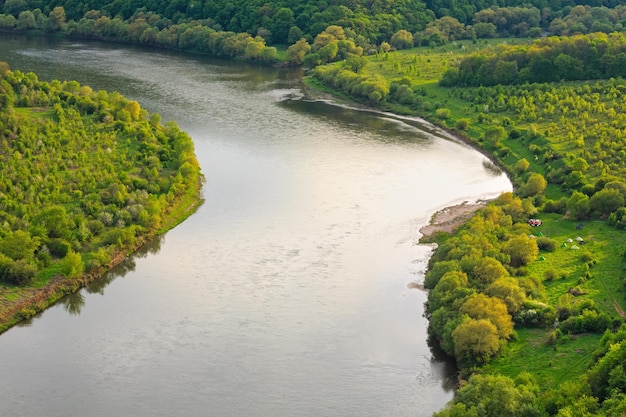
<point>286,293</point>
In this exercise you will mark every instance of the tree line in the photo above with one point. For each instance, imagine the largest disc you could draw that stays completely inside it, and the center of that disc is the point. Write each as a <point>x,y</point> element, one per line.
<point>248,30</point>
<point>83,174</point>
<point>281,22</point>
<point>568,58</point>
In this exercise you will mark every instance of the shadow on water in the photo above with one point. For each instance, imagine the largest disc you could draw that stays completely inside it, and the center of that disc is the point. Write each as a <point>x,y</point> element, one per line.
<point>393,130</point>
<point>126,266</point>
<point>449,370</point>
<point>74,302</point>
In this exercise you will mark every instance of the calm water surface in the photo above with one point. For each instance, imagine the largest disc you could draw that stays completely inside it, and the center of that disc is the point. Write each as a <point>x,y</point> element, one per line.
<point>286,293</point>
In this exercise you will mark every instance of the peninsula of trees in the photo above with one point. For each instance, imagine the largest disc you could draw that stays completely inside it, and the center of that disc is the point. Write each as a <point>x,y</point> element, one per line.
<point>85,178</point>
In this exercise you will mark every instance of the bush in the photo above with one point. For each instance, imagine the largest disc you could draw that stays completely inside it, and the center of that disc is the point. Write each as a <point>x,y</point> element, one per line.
<point>443,113</point>
<point>546,244</point>
<point>555,206</point>
<point>551,275</point>
<point>58,247</point>
<point>18,273</point>
<point>514,133</point>
<point>535,314</point>
<point>463,124</point>
<point>522,166</point>
<point>588,321</point>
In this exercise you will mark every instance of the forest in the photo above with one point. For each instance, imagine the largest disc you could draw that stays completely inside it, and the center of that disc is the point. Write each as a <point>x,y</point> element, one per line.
<point>86,177</point>
<point>296,33</point>
<point>550,59</point>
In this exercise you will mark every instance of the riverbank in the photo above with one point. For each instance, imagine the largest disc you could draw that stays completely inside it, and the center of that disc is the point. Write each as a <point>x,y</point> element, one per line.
<point>449,219</point>
<point>446,220</point>
<point>30,302</point>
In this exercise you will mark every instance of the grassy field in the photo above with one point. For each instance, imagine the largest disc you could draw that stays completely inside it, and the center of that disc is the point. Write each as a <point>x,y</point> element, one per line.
<point>550,363</point>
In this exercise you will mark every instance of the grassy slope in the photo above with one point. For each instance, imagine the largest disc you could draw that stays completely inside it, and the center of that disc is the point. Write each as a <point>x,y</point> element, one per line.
<point>603,244</point>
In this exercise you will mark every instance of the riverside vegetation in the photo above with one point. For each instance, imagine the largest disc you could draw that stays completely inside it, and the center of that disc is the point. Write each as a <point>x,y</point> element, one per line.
<point>86,177</point>
<point>532,315</point>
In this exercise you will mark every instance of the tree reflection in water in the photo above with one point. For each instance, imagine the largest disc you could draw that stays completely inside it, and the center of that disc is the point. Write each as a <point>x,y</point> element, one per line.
<point>126,266</point>
<point>73,303</point>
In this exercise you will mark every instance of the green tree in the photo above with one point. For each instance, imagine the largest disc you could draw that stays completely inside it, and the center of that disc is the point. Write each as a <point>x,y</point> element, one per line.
<point>56,20</point>
<point>481,306</point>
<point>402,39</point>
<point>496,396</point>
<point>606,201</point>
<point>486,270</point>
<point>494,135</point>
<point>26,20</point>
<point>475,341</point>
<point>535,185</point>
<point>521,250</point>
<point>295,34</point>
<point>509,291</point>
<point>14,7</point>
<point>254,50</point>
<point>281,24</point>
<point>19,245</point>
<point>578,205</point>
<point>356,63</point>
<point>298,51</point>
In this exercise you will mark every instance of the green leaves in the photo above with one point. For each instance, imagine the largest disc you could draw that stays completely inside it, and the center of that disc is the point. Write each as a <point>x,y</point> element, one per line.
<point>72,183</point>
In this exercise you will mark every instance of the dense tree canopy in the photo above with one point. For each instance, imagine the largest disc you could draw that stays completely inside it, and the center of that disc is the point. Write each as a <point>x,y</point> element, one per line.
<point>579,57</point>
<point>83,174</point>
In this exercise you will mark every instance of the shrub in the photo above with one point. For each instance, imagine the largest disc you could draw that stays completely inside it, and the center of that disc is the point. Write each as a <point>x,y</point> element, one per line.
<point>551,274</point>
<point>555,206</point>
<point>443,113</point>
<point>514,133</point>
<point>588,321</point>
<point>58,247</point>
<point>20,273</point>
<point>586,257</point>
<point>547,244</point>
<point>463,124</point>
<point>522,166</point>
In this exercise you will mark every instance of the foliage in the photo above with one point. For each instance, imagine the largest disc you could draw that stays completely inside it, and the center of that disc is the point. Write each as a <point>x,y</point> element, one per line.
<point>82,173</point>
<point>578,57</point>
<point>569,137</point>
<point>495,396</point>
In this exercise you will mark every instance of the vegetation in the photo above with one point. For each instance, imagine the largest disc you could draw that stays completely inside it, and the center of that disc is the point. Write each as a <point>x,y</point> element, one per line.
<point>551,112</point>
<point>86,177</point>
<point>580,57</point>
<point>532,309</point>
<point>261,32</point>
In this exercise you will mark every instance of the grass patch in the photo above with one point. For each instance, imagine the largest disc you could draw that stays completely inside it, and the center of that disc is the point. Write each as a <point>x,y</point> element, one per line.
<point>594,264</point>
<point>45,113</point>
<point>551,363</point>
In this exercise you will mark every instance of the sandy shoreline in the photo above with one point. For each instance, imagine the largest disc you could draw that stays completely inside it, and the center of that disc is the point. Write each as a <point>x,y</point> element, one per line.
<point>450,218</point>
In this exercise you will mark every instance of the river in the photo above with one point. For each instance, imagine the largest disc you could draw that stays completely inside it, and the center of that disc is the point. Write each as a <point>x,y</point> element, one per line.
<point>286,293</point>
